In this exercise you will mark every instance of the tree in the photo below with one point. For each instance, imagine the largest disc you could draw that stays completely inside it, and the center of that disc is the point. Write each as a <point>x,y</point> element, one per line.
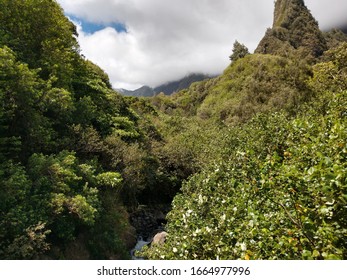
<point>239,51</point>
<point>41,35</point>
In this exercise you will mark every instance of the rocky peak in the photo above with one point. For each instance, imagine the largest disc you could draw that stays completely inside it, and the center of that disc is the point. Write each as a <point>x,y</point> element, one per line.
<point>294,30</point>
<point>285,9</point>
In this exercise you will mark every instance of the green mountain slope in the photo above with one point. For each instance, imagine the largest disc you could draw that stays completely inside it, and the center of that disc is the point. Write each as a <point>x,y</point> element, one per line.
<point>176,86</point>
<point>277,187</point>
<point>271,184</point>
<point>167,88</point>
<point>144,91</point>
<point>256,83</point>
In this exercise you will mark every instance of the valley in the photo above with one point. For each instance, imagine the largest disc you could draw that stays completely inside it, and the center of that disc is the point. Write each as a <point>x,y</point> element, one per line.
<point>250,164</point>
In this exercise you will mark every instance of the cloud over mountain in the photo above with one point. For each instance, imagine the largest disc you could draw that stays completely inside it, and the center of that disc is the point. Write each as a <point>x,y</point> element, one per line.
<point>166,40</point>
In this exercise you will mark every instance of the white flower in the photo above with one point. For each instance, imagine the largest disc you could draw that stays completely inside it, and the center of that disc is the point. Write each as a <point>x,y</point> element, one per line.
<point>243,246</point>
<point>174,250</point>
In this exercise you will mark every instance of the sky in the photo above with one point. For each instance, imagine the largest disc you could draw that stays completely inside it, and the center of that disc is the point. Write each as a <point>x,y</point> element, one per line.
<point>151,42</point>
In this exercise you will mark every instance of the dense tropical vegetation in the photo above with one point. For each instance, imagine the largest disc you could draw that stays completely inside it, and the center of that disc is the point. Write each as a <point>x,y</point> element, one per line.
<point>273,181</point>
<point>255,160</point>
<point>74,156</point>
<point>277,188</point>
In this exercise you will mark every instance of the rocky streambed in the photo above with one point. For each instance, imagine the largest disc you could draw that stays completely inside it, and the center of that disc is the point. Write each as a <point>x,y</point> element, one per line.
<point>148,221</point>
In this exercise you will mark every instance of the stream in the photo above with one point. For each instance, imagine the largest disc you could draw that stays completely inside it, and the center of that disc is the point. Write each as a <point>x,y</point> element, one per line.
<point>140,243</point>
<point>148,221</point>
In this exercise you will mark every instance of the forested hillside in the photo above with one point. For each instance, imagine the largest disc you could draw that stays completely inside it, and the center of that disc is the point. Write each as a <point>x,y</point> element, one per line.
<point>254,160</point>
<point>271,180</point>
<point>74,157</point>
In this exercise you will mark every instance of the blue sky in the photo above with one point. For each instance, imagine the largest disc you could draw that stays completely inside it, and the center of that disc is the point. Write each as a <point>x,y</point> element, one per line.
<point>92,27</point>
<point>150,42</point>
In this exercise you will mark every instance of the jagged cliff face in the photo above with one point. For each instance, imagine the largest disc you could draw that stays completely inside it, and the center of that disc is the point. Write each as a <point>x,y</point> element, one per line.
<point>284,9</point>
<point>294,30</point>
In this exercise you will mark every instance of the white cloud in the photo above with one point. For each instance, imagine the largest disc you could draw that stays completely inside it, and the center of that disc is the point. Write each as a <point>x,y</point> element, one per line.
<point>168,39</point>
<point>329,13</point>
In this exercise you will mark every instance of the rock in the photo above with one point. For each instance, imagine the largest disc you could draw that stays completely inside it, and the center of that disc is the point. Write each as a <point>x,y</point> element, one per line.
<point>294,30</point>
<point>159,215</point>
<point>159,238</point>
<point>148,221</point>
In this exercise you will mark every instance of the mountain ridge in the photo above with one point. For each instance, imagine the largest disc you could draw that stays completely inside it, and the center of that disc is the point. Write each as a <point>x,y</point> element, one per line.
<point>166,88</point>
